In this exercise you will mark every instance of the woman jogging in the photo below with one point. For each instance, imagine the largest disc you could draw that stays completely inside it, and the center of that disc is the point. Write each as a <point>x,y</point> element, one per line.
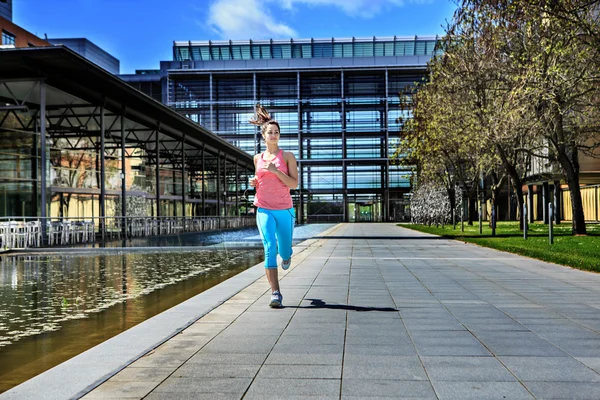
<point>276,172</point>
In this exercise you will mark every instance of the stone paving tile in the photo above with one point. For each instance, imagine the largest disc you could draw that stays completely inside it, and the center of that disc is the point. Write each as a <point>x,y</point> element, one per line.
<point>121,390</point>
<point>294,387</point>
<point>487,369</point>
<point>303,358</point>
<point>590,362</point>
<point>149,374</point>
<point>238,358</point>
<point>300,371</point>
<point>263,396</point>
<point>459,390</point>
<point>549,369</point>
<point>195,370</point>
<point>383,367</point>
<point>204,385</point>
<point>399,349</point>
<point>192,396</point>
<point>564,390</point>
<point>366,388</point>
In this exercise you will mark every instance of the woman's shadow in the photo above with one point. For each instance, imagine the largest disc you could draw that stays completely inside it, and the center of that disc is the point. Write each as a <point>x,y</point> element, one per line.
<point>318,303</point>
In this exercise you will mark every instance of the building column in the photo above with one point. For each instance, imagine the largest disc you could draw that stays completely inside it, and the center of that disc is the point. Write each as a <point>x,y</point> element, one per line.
<point>183,183</point>
<point>211,101</point>
<point>123,180</point>
<point>218,196</point>
<point>300,216</point>
<point>237,190</point>
<point>202,192</point>
<point>102,175</point>
<point>43,161</point>
<point>225,186</point>
<point>157,177</point>
<point>386,184</point>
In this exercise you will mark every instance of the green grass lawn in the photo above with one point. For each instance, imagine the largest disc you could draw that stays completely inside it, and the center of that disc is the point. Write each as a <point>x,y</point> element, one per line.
<point>582,252</point>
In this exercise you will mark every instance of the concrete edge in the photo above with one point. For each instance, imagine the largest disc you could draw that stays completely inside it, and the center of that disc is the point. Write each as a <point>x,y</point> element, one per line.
<point>81,374</point>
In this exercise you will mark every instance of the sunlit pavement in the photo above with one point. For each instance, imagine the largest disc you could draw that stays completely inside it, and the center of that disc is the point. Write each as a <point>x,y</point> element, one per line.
<point>373,311</point>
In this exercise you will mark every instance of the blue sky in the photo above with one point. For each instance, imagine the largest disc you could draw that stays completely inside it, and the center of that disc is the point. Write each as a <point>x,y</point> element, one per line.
<point>140,33</point>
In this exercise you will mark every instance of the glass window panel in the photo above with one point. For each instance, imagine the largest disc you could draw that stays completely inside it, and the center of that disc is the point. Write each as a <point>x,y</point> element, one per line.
<point>297,51</point>
<point>215,53</point>
<point>364,147</point>
<point>389,49</point>
<point>245,50</point>
<point>205,53</point>
<point>286,51</point>
<point>256,52</point>
<point>399,48</point>
<point>236,52</point>
<point>348,50</point>
<point>364,176</point>
<point>400,176</point>
<point>182,54</point>
<point>306,51</point>
<point>378,49</point>
<point>195,53</point>
<point>321,121</point>
<point>8,38</point>
<point>409,48</point>
<point>225,53</point>
<point>420,48</point>
<point>323,50</point>
<point>324,177</point>
<point>277,53</point>
<point>363,121</point>
<point>265,52</point>
<point>363,49</point>
<point>338,50</point>
<point>431,47</point>
<point>322,148</point>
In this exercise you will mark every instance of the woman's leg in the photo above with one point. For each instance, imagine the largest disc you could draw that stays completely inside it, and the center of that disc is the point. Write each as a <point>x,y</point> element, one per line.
<point>273,279</point>
<point>265,221</point>
<point>266,226</point>
<point>284,232</point>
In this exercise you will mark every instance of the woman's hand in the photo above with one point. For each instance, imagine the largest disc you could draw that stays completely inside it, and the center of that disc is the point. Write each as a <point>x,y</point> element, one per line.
<point>253,180</point>
<point>271,167</point>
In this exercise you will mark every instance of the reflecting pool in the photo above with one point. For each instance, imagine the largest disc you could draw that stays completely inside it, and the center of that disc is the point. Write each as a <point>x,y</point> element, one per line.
<point>53,307</point>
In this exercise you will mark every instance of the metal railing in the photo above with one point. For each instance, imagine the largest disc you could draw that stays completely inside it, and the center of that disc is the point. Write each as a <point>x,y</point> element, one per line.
<point>26,232</point>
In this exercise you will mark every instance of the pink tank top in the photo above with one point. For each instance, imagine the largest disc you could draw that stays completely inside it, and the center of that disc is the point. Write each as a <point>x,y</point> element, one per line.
<point>271,193</point>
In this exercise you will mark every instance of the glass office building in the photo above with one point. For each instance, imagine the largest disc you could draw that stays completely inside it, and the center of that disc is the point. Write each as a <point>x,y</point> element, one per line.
<point>337,101</point>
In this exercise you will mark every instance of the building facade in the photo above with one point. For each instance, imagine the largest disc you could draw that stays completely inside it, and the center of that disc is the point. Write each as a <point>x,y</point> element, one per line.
<point>6,9</point>
<point>13,36</point>
<point>337,101</point>
<point>90,51</point>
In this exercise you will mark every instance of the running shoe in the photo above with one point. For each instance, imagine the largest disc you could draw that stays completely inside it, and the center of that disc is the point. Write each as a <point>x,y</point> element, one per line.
<point>276,300</point>
<point>285,264</point>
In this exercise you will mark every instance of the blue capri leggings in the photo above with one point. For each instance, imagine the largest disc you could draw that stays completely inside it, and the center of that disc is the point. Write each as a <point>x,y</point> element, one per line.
<point>276,229</point>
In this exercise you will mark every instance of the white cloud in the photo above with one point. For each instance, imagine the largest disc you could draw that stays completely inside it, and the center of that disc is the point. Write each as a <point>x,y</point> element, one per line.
<point>354,8</point>
<point>245,19</point>
<point>251,19</point>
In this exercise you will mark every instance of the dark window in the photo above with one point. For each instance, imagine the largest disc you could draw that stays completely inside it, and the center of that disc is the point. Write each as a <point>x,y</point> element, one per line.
<point>8,38</point>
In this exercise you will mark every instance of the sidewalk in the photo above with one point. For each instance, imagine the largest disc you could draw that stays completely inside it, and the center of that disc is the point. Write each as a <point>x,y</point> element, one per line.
<point>378,311</point>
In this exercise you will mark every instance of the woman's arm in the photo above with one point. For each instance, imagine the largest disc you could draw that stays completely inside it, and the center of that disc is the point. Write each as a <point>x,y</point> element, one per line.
<point>291,179</point>
<point>254,180</point>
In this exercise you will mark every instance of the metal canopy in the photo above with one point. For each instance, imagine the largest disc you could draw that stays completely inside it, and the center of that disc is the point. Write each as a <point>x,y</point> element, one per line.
<point>81,86</point>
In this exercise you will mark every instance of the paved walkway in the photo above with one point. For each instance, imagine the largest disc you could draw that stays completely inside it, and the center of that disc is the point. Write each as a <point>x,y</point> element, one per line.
<point>377,311</point>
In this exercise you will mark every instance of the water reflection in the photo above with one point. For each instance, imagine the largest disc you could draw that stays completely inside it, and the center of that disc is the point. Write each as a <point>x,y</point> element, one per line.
<point>53,307</point>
